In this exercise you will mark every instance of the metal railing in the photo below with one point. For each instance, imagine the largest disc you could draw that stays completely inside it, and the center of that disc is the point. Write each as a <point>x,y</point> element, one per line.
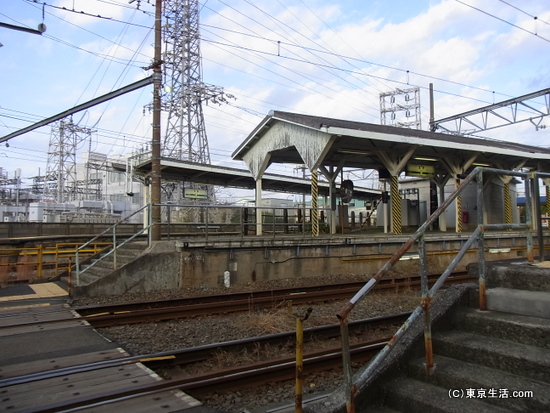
<point>531,181</point>
<point>206,220</point>
<point>114,246</point>
<point>237,220</point>
<point>28,263</point>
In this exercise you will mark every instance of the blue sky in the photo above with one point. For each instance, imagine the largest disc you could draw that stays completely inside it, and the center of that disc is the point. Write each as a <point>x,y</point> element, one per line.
<point>334,59</point>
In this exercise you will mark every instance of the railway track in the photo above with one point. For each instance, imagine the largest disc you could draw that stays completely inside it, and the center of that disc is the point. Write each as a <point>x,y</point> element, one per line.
<point>101,316</point>
<point>278,369</point>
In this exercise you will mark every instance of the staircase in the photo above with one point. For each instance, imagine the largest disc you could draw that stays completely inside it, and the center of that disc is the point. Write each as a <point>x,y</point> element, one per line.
<point>103,265</point>
<point>489,361</point>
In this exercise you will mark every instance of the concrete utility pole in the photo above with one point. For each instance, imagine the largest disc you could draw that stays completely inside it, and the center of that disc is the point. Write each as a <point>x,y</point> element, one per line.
<point>155,145</point>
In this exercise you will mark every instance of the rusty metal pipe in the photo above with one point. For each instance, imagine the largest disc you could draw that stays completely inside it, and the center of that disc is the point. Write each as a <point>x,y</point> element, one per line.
<point>343,313</point>
<point>529,218</point>
<point>300,359</point>
<point>428,348</point>
<point>346,364</point>
<point>374,364</point>
<point>481,242</point>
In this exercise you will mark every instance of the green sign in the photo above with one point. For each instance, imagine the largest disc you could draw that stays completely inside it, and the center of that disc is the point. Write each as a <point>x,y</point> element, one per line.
<point>195,193</point>
<point>423,171</point>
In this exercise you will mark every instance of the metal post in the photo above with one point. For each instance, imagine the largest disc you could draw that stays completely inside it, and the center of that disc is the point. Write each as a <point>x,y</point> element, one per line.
<point>114,248</point>
<point>274,219</point>
<point>206,221</point>
<point>56,259</point>
<point>39,259</point>
<point>346,366</point>
<point>481,242</point>
<point>69,277</point>
<point>300,358</point>
<point>169,212</point>
<point>242,214</point>
<point>149,231</point>
<point>77,267</point>
<point>529,218</point>
<point>426,298</point>
<point>537,217</point>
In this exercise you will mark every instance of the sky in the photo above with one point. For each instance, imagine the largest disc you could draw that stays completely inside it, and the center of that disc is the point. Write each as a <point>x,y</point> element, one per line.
<point>319,57</point>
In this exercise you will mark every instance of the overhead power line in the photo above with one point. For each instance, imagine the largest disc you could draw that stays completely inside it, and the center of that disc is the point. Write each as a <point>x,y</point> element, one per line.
<point>504,21</point>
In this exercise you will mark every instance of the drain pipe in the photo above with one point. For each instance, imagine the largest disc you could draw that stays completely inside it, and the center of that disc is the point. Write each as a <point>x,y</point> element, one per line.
<point>300,358</point>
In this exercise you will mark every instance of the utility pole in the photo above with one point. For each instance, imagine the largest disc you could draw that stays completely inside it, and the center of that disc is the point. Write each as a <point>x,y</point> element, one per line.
<point>155,146</point>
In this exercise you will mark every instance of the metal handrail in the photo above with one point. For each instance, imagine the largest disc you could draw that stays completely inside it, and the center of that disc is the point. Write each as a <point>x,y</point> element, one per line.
<point>115,247</point>
<point>427,294</point>
<point>208,224</point>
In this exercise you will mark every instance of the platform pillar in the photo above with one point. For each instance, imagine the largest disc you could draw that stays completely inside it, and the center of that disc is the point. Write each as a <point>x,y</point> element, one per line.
<point>396,222</point>
<point>507,204</point>
<point>314,204</point>
<point>458,208</point>
<point>258,205</point>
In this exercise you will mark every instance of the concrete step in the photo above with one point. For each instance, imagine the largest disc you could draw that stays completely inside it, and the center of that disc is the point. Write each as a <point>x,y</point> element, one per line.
<point>520,276</point>
<point>524,360</point>
<point>523,302</point>
<point>376,409</point>
<point>533,331</point>
<point>98,271</point>
<point>415,396</point>
<point>494,384</point>
<point>86,278</point>
<point>107,263</point>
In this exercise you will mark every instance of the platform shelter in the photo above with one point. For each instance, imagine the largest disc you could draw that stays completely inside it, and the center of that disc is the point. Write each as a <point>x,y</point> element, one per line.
<point>327,146</point>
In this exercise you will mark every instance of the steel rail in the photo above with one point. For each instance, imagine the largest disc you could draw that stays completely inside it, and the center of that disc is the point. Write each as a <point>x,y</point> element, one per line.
<point>274,370</point>
<point>200,353</point>
<point>164,310</point>
<point>274,295</point>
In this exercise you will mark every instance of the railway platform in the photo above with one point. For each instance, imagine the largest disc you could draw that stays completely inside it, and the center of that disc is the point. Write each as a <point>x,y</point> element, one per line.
<point>62,366</point>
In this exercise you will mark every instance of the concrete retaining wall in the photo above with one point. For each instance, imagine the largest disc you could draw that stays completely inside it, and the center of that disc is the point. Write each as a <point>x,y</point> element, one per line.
<point>195,263</point>
<point>155,269</point>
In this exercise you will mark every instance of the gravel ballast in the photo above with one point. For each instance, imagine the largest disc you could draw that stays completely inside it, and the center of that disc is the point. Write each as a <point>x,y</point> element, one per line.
<point>148,338</point>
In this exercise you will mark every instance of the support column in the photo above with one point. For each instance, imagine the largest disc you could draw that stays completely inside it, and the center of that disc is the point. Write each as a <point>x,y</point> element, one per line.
<point>443,216</point>
<point>548,204</point>
<point>258,204</point>
<point>458,208</point>
<point>385,206</point>
<point>396,220</point>
<point>507,204</point>
<point>314,203</point>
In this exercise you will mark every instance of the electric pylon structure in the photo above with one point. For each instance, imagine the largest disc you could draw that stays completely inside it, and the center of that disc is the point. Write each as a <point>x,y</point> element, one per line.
<point>184,90</point>
<point>401,102</point>
<point>60,181</point>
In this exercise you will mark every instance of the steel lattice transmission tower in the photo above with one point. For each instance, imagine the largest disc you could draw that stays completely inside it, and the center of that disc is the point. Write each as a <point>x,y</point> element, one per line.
<point>185,92</point>
<point>60,182</point>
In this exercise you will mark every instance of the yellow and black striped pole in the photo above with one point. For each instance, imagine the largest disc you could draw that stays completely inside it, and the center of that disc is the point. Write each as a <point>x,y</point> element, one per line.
<point>396,225</point>
<point>507,204</point>
<point>314,204</point>
<point>458,209</point>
